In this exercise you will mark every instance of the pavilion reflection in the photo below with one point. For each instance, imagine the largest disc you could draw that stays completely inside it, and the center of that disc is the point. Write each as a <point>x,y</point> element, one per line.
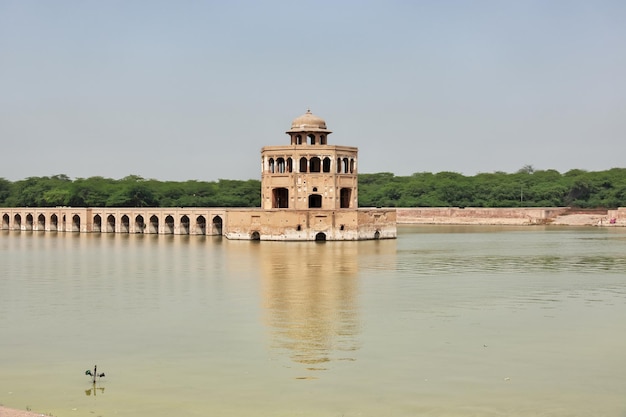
<point>310,300</point>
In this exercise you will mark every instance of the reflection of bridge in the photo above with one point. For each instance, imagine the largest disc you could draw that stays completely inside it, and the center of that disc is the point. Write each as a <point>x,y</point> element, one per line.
<point>177,221</point>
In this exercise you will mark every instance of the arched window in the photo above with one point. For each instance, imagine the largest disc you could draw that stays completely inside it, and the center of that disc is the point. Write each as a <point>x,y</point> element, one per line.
<point>315,164</point>
<point>298,140</point>
<point>345,165</point>
<point>311,138</point>
<point>351,166</point>
<point>289,165</point>
<point>322,139</point>
<point>280,163</point>
<point>338,165</point>
<point>326,165</point>
<point>303,164</point>
<point>271,165</point>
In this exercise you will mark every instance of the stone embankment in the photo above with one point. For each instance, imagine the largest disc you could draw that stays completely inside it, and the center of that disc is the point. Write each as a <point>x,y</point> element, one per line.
<point>562,216</point>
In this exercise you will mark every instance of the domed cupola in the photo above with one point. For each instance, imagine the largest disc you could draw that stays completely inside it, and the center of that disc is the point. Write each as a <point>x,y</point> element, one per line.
<point>308,128</point>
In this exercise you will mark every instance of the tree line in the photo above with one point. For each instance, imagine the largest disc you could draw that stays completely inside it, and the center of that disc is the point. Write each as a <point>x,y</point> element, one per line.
<point>524,188</point>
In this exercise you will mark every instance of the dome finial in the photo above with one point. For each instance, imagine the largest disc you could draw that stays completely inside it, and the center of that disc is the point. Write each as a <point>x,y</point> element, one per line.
<point>308,122</point>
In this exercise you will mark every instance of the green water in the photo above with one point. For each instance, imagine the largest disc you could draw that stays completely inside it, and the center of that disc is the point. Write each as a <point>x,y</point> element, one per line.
<point>443,321</point>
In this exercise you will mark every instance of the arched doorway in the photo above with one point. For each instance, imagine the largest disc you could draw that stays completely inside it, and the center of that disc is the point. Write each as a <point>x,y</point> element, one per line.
<point>41,222</point>
<point>320,237</point>
<point>280,198</point>
<point>345,194</point>
<point>255,235</point>
<point>5,221</point>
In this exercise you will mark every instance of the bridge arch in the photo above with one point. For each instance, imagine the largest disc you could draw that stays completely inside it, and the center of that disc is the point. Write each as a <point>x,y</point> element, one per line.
<point>97,223</point>
<point>125,224</point>
<point>139,224</point>
<point>154,224</point>
<point>200,225</point>
<point>110,224</point>
<point>217,225</point>
<point>76,223</point>
<point>169,225</point>
<point>184,225</point>
<point>29,222</point>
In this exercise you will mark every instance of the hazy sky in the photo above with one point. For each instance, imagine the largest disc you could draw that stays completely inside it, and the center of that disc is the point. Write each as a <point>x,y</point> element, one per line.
<point>178,90</point>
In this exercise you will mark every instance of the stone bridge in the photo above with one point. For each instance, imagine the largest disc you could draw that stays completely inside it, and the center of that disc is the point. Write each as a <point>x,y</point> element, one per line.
<point>177,221</point>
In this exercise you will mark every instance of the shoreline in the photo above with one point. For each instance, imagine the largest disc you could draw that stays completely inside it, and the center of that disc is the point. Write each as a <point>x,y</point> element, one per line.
<point>553,216</point>
<point>12,412</point>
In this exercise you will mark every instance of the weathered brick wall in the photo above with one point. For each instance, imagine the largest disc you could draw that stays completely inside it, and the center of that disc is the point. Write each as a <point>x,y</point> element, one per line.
<point>477,215</point>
